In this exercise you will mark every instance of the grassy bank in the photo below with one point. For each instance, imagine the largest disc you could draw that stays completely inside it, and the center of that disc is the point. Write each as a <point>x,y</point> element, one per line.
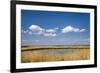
<point>26,48</point>
<point>82,54</point>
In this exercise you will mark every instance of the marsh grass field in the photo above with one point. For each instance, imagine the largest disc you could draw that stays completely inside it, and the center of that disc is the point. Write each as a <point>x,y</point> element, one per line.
<point>54,53</point>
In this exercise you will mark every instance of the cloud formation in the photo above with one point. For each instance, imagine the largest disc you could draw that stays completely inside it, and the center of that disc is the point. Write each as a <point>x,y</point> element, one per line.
<point>82,30</point>
<point>72,29</point>
<point>50,30</point>
<point>37,30</point>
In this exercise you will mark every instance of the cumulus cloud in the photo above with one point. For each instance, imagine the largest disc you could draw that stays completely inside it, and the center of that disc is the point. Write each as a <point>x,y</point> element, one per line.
<point>26,31</point>
<point>35,29</point>
<point>67,29</point>
<point>82,30</point>
<point>50,30</point>
<point>76,29</point>
<point>72,29</point>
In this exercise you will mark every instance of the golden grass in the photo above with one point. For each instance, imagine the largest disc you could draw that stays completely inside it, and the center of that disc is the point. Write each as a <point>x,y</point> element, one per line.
<point>52,47</point>
<point>82,54</point>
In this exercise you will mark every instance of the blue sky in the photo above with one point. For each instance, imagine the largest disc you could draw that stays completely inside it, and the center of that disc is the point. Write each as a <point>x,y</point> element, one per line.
<point>54,28</point>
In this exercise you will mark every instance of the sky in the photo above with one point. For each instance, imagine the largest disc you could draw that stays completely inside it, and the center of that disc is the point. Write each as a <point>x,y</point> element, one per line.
<point>54,28</point>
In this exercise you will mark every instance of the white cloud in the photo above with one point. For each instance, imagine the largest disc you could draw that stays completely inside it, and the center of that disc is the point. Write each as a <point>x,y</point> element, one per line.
<point>25,31</point>
<point>50,30</point>
<point>76,30</point>
<point>67,29</point>
<point>72,29</point>
<point>35,29</point>
<point>82,30</point>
